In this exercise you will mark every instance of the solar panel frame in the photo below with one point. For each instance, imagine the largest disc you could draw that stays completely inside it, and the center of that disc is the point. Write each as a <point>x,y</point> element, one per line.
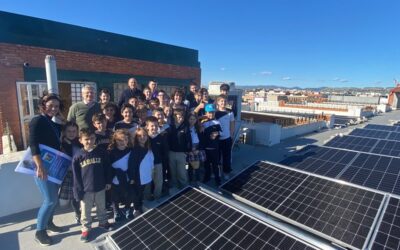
<point>233,228</point>
<point>387,147</point>
<point>274,213</point>
<point>383,230</point>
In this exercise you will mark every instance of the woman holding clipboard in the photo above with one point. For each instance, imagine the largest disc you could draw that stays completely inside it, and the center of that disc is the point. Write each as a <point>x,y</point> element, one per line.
<point>42,130</point>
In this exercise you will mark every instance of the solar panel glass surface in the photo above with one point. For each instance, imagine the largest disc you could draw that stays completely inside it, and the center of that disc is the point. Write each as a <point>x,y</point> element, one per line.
<point>194,220</point>
<point>370,133</point>
<point>352,143</point>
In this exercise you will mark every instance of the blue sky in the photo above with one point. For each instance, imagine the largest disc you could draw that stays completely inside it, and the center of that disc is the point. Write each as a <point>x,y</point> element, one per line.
<point>305,43</point>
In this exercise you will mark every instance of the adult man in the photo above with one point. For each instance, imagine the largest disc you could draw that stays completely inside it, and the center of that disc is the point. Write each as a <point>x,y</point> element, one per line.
<point>130,92</point>
<point>82,112</point>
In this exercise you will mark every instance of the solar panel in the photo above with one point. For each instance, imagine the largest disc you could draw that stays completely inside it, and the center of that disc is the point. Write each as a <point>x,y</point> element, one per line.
<point>370,133</point>
<point>388,233</point>
<point>386,147</point>
<point>382,127</point>
<point>374,171</point>
<point>195,220</point>
<point>352,143</point>
<point>320,160</point>
<point>270,188</point>
<point>342,213</point>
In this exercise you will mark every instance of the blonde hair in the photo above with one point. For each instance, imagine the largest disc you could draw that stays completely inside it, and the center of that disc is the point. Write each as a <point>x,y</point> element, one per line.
<point>136,139</point>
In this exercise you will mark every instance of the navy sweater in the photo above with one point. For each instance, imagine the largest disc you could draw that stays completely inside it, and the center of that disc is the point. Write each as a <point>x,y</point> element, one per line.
<point>91,171</point>
<point>42,130</point>
<point>159,146</point>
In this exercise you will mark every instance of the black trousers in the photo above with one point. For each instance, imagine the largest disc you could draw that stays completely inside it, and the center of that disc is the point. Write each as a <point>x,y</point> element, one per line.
<point>119,195</point>
<point>225,149</point>
<point>136,192</point>
<point>212,164</point>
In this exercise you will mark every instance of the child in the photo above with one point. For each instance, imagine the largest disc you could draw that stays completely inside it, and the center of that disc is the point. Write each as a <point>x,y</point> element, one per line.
<point>127,121</point>
<point>227,121</point>
<point>140,167</point>
<point>102,133</point>
<point>119,151</point>
<point>70,145</point>
<point>110,110</point>
<point>168,114</point>
<point>92,177</point>
<point>154,103</point>
<point>159,149</point>
<point>133,101</point>
<point>211,129</point>
<point>142,115</point>
<point>180,143</point>
<point>197,155</point>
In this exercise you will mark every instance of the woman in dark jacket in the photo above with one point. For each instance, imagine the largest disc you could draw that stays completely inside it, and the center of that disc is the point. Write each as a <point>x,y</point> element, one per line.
<point>42,130</point>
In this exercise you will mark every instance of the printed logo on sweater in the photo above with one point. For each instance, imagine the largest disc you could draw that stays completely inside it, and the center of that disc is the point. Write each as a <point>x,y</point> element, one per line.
<point>90,161</point>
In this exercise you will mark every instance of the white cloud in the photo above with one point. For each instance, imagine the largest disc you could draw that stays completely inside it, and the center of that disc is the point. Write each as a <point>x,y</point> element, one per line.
<point>286,78</point>
<point>337,79</point>
<point>344,80</point>
<point>266,73</point>
<point>222,68</point>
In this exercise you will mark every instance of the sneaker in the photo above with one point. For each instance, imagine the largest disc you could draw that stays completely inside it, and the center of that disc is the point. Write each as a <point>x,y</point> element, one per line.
<point>107,226</point>
<point>42,238</point>
<point>118,217</point>
<point>78,219</point>
<point>129,214</point>
<point>54,229</point>
<point>85,236</point>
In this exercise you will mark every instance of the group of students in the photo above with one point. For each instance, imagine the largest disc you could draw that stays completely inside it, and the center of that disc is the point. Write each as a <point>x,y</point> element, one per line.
<point>144,147</point>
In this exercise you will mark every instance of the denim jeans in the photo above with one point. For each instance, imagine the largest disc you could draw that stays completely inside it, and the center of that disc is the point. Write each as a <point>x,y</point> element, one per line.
<point>49,191</point>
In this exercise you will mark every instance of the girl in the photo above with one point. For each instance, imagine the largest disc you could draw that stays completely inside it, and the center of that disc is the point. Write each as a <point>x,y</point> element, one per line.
<point>140,168</point>
<point>197,156</point>
<point>127,119</point>
<point>119,151</point>
<point>70,146</point>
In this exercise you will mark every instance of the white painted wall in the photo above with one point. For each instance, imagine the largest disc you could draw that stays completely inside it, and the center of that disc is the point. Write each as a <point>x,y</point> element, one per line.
<point>18,192</point>
<point>301,129</point>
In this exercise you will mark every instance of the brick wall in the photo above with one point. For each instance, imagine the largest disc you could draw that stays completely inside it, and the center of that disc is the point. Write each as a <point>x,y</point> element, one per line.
<point>13,56</point>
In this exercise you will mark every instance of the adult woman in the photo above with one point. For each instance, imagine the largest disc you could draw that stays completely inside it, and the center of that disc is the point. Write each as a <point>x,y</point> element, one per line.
<point>42,130</point>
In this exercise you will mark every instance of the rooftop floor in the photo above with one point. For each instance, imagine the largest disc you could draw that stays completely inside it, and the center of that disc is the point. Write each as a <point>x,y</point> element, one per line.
<point>17,230</point>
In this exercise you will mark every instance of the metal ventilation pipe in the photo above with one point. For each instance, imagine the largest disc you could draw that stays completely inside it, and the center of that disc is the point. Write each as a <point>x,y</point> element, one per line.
<point>51,74</point>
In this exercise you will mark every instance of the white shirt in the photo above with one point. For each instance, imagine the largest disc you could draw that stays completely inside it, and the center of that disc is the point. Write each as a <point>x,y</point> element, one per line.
<point>146,168</point>
<point>225,118</point>
<point>121,164</point>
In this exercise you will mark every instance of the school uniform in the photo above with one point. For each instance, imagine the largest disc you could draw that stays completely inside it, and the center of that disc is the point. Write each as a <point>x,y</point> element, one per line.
<point>91,170</point>
<point>131,127</point>
<point>211,147</point>
<point>225,141</point>
<point>119,187</point>
<point>159,148</point>
<point>103,140</point>
<point>180,142</point>
<point>140,167</point>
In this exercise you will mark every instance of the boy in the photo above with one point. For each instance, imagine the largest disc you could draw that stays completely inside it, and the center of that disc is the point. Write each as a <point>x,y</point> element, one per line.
<point>211,130</point>
<point>160,149</point>
<point>102,133</point>
<point>180,143</point>
<point>230,100</point>
<point>227,121</point>
<point>91,170</point>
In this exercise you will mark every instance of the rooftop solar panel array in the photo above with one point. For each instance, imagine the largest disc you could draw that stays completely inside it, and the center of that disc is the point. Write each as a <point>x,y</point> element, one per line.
<point>338,212</point>
<point>353,143</point>
<point>386,147</point>
<point>388,232</point>
<point>195,220</point>
<point>321,160</point>
<point>369,170</point>
<point>383,127</point>
<point>370,133</point>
